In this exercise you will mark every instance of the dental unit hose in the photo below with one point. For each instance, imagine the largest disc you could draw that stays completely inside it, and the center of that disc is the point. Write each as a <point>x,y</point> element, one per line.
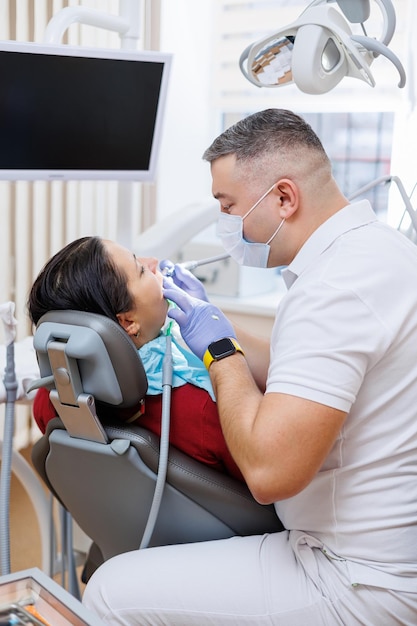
<point>10,383</point>
<point>167,373</point>
<point>191,265</point>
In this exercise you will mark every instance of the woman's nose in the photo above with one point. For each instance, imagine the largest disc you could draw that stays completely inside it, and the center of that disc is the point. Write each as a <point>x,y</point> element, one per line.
<point>153,264</point>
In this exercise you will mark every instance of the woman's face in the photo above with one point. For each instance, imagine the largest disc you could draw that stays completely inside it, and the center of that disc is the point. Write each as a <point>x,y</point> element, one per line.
<point>144,282</point>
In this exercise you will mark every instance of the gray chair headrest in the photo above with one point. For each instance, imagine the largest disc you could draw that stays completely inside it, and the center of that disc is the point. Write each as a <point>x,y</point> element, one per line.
<point>108,361</point>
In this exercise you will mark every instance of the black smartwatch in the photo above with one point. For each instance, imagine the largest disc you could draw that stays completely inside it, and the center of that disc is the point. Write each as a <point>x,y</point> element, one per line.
<point>220,349</point>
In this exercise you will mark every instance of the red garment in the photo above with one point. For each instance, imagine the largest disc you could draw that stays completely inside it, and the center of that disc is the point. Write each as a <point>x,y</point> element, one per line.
<point>195,426</point>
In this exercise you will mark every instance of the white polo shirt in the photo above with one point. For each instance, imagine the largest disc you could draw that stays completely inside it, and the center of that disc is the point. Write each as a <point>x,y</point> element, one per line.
<point>345,336</point>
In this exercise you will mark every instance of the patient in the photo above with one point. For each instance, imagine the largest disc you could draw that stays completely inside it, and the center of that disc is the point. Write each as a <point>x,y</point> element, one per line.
<point>100,276</point>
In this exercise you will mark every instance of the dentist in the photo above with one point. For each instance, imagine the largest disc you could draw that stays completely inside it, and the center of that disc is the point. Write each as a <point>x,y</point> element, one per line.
<point>321,420</point>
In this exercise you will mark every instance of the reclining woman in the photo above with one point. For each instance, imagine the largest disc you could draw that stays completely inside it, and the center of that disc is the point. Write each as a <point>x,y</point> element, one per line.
<point>100,276</point>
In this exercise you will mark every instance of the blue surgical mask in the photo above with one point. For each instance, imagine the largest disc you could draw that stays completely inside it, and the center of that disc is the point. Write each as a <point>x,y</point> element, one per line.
<point>230,232</point>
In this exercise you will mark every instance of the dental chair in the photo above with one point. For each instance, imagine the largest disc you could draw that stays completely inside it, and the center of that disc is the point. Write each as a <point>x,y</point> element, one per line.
<point>104,471</point>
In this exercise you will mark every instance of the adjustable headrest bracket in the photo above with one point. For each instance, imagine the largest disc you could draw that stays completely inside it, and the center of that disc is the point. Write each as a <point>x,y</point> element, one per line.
<point>76,409</point>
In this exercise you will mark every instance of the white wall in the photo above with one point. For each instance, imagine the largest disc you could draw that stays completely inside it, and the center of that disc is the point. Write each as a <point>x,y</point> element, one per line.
<point>183,177</point>
<point>404,149</point>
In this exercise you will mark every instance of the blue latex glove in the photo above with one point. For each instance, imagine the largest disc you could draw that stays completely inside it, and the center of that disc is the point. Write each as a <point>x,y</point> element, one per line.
<point>200,322</point>
<point>184,279</point>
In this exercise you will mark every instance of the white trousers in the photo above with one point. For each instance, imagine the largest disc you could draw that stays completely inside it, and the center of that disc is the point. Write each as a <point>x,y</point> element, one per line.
<point>279,579</point>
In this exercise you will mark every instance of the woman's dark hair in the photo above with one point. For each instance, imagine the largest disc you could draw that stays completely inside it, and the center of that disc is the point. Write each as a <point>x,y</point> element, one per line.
<point>81,277</point>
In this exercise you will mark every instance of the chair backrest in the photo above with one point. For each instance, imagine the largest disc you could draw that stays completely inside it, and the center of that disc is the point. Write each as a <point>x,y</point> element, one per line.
<point>105,474</point>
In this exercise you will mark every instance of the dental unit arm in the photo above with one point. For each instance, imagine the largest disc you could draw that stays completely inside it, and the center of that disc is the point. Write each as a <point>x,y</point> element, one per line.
<point>318,50</point>
<point>192,265</point>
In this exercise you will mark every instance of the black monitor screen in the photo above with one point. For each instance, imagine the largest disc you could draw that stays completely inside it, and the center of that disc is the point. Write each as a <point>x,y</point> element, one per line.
<point>79,116</point>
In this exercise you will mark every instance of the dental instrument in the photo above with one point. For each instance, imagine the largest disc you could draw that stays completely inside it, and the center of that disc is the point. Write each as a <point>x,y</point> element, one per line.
<point>191,265</point>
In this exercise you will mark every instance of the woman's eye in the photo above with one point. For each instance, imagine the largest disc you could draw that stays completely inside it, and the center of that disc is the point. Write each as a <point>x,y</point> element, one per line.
<point>140,265</point>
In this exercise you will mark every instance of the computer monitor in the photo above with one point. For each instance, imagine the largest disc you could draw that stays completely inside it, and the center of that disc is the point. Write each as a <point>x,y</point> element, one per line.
<point>74,113</point>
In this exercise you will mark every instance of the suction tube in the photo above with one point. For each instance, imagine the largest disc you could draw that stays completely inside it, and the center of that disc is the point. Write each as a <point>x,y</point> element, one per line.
<point>167,373</point>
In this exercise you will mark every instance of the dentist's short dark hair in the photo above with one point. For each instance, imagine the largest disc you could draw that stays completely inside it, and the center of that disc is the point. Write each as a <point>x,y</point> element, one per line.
<point>262,133</point>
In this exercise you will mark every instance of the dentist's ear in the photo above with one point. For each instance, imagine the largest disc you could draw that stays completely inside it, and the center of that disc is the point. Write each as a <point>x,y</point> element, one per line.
<point>287,192</point>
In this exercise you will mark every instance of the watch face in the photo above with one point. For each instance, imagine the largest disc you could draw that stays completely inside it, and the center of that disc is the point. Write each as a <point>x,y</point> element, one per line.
<point>223,347</point>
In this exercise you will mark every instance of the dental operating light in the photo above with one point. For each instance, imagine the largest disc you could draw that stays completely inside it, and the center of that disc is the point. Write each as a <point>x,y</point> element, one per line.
<point>319,49</point>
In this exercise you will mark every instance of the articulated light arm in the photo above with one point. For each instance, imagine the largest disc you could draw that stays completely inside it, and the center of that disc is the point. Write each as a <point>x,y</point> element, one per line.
<point>378,48</point>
